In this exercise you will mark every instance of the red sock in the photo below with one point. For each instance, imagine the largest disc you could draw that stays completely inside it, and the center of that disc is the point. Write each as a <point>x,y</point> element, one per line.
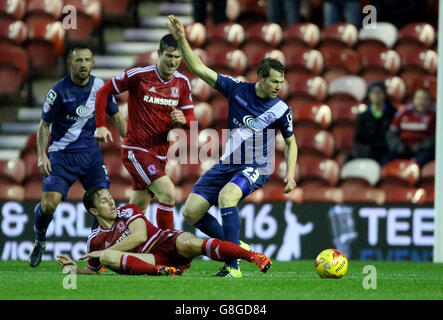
<point>224,251</point>
<point>133,265</point>
<point>165,216</point>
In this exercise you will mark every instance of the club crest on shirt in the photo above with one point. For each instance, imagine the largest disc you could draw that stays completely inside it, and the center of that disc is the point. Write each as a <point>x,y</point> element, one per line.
<point>270,117</point>
<point>121,226</point>
<point>46,107</point>
<point>152,169</point>
<point>174,92</point>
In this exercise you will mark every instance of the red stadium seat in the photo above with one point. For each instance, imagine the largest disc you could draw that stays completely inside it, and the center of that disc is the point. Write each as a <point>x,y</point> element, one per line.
<point>428,171</point>
<point>45,44</point>
<point>347,88</point>
<point>12,9</point>
<point>304,60</point>
<point>427,179</point>
<point>382,60</point>
<point>345,60</point>
<point>229,33</point>
<point>10,191</point>
<point>232,59</point>
<point>315,141</point>
<point>359,193</point>
<point>31,168</point>
<point>33,190</point>
<point>400,173</point>
<point>383,36</point>
<point>15,59</point>
<point>204,114</point>
<point>201,91</point>
<point>117,172</point>
<point>307,87</point>
<point>76,192</point>
<point>325,171</point>
<point>395,86</point>
<point>49,9</point>
<point>345,111</point>
<point>13,170</point>
<point>256,53</point>
<point>421,60</point>
<point>343,136</point>
<point>405,195</point>
<point>174,171</point>
<point>88,19</point>
<point>414,82</point>
<point>270,33</point>
<point>220,107</point>
<point>322,194</point>
<point>146,58</point>
<point>315,113</point>
<point>14,31</point>
<point>339,35</point>
<point>364,172</point>
<point>302,34</point>
<point>416,35</point>
<point>195,33</point>
<point>113,10</point>
<point>429,187</point>
<point>121,191</point>
<point>114,146</point>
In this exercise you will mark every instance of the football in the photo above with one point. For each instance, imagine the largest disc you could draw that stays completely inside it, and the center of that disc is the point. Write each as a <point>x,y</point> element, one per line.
<point>331,263</point>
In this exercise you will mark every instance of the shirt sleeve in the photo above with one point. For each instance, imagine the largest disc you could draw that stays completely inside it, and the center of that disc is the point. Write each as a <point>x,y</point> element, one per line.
<point>226,84</point>
<point>285,124</point>
<point>51,105</point>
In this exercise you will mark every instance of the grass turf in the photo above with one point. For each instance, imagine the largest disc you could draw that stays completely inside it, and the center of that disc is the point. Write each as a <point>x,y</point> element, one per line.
<point>285,280</point>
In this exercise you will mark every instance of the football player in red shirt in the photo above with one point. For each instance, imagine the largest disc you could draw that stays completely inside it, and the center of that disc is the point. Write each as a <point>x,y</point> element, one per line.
<point>159,99</point>
<point>412,131</point>
<point>126,242</point>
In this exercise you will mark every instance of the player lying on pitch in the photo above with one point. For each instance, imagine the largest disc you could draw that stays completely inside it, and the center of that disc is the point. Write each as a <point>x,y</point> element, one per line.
<point>126,242</point>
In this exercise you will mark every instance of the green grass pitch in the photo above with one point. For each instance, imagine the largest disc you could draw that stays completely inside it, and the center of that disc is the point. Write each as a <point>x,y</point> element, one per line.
<point>285,280</point>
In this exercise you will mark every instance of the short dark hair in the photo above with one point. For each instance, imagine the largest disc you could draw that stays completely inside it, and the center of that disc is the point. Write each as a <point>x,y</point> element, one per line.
<point>78,46</point>
<point>90,196</point>
<point>267,64</point>
<point>167,41</point>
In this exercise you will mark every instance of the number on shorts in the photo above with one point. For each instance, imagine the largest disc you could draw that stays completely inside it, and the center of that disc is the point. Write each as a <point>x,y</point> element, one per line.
<point>252,173</point>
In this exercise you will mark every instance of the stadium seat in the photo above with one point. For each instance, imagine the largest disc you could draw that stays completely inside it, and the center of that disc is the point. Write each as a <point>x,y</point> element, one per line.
<point>429,187</point>
<point>201,91</point>
<point>48,9</point>
<point>146,58</point>
<point>344,137</point>
<point>347,88</point>
<point>322,194</point>
<point>31,168</point>
<point>314,141</point>
<point>33,190</point>
<point>196,34</point>
<point>229,33</point>
<point>304,60</point>
<point>204,114</point>
<point>88,19</point>
<point>117,171</point>
<point>121,191</point>
<point>256,53</point>
<point>427,178</point>
<point>76,192</point>
<point>231,59</point>
<point>356,191</point>
<point>367,170</point>
<point>428,171</point>
<point>10,191</point>
<point>417,81</point>
<point>420,60</point>
<point>339,35</point>
<point>345,111</point>
<point>13,68</point>
<point>383,36</point>
<point>324,171</point>
<point>114,145</point>
<point>220,107</point>
<point>45,44</point>
<point>416,35</point>
<point>302,34</point>
<point>405,195</point>
<point>13,9</point>
<point>317,114</point>
<point>115,10</point>
<point>384,61</point>
<point>400,172</point>
<point>13,170</point>
<point>266,32</point>
<point>14,31</point>
<point>343,60</point>
<point>307,87</point>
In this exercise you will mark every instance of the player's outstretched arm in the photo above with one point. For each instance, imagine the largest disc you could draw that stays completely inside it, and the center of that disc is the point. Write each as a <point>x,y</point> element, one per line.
<point>291,152</point>
<point>65,261</point>
<point>195,65</point>
<point>44,165</point>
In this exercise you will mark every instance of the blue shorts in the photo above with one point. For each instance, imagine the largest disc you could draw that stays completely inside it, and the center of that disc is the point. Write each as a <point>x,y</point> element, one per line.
<point>212,181</point>
<point>67,167</point>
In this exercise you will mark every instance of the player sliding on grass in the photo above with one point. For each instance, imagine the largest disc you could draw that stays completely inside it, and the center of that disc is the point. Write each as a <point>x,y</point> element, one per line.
<point>255,111</point>
<point>126,242</point>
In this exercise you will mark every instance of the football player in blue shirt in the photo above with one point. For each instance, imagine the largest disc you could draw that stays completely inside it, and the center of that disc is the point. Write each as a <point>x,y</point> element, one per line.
<point>73,153</point>
<point>255,112</point>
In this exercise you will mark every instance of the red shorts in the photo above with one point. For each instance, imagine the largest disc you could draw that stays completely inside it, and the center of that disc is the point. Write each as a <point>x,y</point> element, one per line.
<point>143,166</point>
<point>165,251</point>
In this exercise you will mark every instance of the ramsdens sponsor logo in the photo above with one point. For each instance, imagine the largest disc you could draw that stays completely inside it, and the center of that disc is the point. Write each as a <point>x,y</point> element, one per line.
<point>161,101</point>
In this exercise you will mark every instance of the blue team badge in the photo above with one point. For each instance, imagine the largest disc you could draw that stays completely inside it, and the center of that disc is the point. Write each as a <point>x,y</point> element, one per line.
<point>270,117</point>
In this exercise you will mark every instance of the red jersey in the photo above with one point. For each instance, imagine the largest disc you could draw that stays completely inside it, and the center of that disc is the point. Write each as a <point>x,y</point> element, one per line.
<point>101,239</point>
<point>414,127</point>
<point>151,100</point>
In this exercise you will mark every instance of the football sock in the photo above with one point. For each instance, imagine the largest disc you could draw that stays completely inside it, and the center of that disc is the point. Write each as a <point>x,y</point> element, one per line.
<point>224,251</point>
<point>134,265</point>
<point>231,228</point>
<point>42,222</point>
<point>210,226</point>
<point>165,216</point>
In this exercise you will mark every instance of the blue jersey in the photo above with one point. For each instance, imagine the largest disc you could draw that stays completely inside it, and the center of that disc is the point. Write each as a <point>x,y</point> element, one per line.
<point>253,122</point>
<point>71,110</point>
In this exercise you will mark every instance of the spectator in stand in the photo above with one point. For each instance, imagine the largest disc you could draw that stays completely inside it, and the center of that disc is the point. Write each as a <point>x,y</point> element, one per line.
<point>332,10</point>
<point>412,132</point>
<point>373,124</point>
<point>276,9</point>
<point>218,11</point>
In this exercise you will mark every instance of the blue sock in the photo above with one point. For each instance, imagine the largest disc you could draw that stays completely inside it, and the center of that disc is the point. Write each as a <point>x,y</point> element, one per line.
<point>231,228</point>
<point>210,226</point>
<point>42,222</point>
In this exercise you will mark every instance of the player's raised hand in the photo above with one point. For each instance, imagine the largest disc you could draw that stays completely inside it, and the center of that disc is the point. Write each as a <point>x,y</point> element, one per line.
<point>178,117</point>
<point>44,165</point>
<point>64,261</point>
<point>102,134</point>
<point>176,28</point>
<point>290,184</point>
